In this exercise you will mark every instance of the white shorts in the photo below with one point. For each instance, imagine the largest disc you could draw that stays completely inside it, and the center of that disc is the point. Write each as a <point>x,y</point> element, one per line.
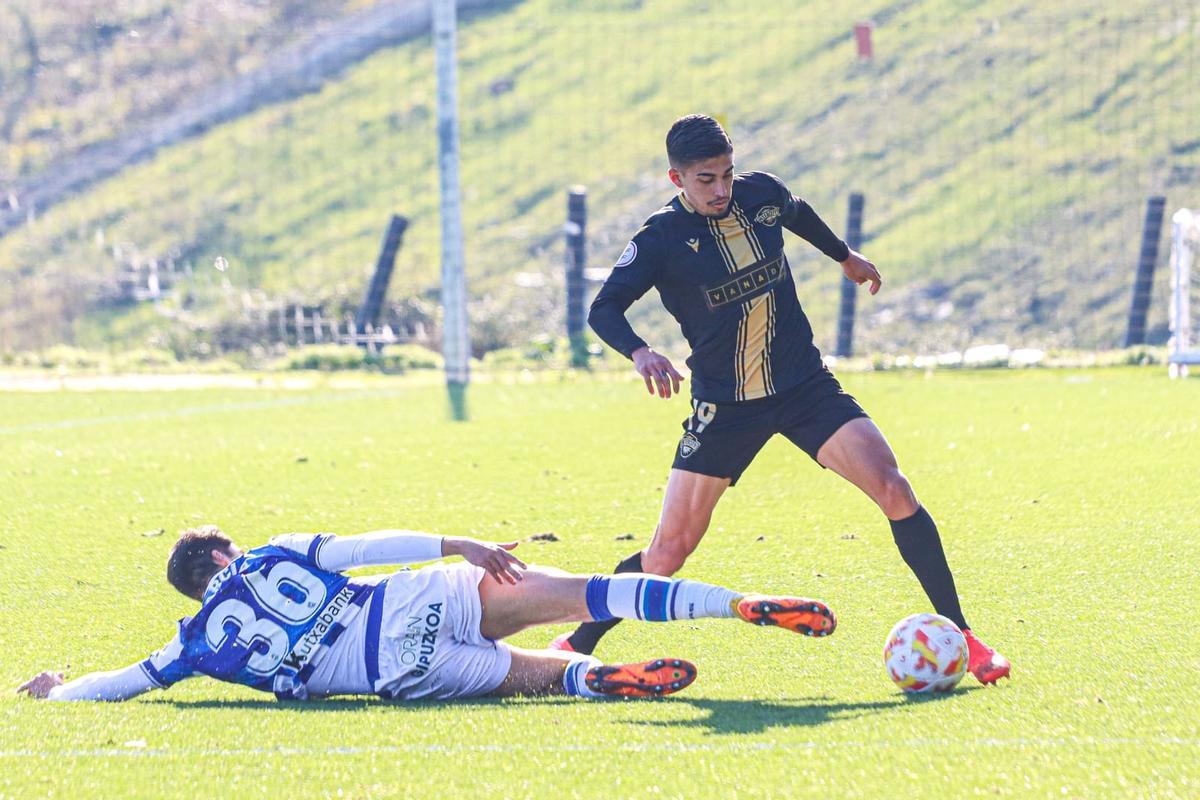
<point>429,640</point>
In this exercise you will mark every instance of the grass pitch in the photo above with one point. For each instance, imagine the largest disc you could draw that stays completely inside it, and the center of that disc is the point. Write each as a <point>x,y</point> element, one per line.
<point>1067,501</point>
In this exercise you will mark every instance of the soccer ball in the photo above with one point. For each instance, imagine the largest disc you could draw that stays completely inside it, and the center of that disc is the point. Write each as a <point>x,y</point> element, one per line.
<point>925,653</point>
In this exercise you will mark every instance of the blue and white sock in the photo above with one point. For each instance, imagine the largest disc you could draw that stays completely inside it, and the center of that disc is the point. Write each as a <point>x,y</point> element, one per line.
<point>656,599</point>
<point>573,679</point>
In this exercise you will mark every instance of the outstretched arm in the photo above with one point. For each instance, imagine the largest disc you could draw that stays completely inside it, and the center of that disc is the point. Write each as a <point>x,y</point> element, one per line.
<point>164,667</point>
<point>800,218</point>
<point>377,548</point>
<point>118,684</point>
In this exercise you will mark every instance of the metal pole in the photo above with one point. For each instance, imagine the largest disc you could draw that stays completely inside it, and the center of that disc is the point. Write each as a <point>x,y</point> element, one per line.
<point>849,288</point>
<point>1143,280</point>
<point>456,348</point>
<point>576,230</point>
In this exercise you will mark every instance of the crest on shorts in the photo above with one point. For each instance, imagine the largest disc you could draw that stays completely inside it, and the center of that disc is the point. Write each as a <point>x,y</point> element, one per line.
<point>628,256</point>
<point>689,444</point>
<point>767,215</point>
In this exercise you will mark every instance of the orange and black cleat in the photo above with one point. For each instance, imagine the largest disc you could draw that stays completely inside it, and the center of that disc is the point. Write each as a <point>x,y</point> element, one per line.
<point>656,678</point>
<point>799,614</point>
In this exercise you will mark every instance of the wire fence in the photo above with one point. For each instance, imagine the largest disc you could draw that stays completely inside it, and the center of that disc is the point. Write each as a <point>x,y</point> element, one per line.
<point>1005,152</point>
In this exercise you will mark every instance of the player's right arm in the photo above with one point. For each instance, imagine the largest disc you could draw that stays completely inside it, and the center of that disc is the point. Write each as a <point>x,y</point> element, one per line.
<point>631,277</point>
<point>159,671</point>
<point>118,684</point>
<point>379,548</point>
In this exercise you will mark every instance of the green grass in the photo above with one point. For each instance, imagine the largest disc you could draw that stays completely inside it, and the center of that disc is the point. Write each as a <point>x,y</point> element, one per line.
<point>1064,497</point>
<point>1006,152</point>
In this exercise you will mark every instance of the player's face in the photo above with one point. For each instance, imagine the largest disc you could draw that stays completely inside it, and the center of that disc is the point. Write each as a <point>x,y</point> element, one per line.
<point>707,185</point>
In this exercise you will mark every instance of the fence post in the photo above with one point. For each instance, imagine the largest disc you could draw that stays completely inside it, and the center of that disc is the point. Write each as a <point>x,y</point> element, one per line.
<point>576,231</point>
<point>845,337</point>
<point>368,312</point>
<point>1143,280</point>
<point>281,321</point>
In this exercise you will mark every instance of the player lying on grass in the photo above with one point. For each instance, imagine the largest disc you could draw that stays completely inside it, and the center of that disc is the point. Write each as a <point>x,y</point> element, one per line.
<point>284,618</point>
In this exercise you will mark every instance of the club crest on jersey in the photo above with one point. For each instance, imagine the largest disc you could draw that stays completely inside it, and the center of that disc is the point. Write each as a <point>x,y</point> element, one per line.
<point>628,256</point>
<point>689,444</point>
<point>694,244</point>
<point>767,215</point>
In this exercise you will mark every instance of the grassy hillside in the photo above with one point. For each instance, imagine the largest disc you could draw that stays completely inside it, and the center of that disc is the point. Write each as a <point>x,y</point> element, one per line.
<point>75,74</point>
<point>1006,151</point>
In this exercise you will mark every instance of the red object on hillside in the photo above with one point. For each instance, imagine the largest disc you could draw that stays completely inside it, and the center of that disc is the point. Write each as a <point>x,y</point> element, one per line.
<point>862,35</point>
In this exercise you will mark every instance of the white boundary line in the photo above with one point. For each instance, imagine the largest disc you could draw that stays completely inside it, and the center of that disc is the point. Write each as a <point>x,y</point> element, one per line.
<point>167,752</point>
<point>193,411</point>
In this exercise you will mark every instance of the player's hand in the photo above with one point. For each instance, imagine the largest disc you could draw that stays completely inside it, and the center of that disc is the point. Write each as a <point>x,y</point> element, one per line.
<point>860,270</point>
<point>657,371</point>
<point>493,557</point>
<point>40,685</point>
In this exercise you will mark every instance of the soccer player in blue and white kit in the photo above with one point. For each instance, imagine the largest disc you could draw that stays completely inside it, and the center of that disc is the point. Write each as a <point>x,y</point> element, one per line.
<point>284,618</point>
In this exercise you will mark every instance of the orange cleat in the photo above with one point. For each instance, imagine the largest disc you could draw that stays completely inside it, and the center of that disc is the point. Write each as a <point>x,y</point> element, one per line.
<point>799,614</point>
<point>656,678</point>
<point>985,664</point>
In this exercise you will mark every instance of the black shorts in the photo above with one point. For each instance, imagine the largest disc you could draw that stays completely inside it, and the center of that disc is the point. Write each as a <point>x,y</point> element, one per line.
<point>721,439</point>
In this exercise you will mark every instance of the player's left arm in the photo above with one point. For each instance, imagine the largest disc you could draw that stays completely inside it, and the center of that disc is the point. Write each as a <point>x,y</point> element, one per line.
<point>800,218</point>
<point>378,548</point>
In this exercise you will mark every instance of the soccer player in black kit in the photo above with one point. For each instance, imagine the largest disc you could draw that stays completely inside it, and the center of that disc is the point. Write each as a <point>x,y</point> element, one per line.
<point>715,255</point>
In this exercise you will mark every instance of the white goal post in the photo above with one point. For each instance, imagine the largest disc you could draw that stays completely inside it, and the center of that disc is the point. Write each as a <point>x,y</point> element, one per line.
<point>1185,243</point>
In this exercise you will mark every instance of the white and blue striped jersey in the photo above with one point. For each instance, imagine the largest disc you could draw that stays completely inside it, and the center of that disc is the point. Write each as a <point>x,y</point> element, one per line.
<point>282,618</point>
<point>264,619</point>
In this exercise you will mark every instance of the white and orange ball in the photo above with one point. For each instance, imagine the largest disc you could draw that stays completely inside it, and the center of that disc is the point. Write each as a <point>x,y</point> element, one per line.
<point>925,653</point>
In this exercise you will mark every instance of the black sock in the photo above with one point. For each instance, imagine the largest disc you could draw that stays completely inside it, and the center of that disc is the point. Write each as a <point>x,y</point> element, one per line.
<point>587,636</point>
<point>921,547</point>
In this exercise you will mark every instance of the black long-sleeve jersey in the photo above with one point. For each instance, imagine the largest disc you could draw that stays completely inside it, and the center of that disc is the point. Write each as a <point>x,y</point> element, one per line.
<point>726,282</point>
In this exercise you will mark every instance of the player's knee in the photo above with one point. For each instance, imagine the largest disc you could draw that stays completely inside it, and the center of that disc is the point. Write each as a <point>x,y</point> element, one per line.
<point>665,558</point>
<point>895,495</point>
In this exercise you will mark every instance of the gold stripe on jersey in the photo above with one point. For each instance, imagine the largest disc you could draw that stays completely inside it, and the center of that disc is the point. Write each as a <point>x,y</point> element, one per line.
<point>734,259</point>
<point>740,248</point>
<point>755,245</point>
<point>726,254</point>
<point>755,379</point>
<point>732,236</point>
<point>739,354</point>
<point>768,367</point>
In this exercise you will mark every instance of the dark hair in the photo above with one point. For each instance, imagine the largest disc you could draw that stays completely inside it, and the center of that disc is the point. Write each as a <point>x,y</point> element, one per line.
<point>190,566</point>
<point>696,137</point>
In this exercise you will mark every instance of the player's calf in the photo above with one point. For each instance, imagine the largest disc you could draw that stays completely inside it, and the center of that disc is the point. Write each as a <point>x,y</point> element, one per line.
<point>651,598</point>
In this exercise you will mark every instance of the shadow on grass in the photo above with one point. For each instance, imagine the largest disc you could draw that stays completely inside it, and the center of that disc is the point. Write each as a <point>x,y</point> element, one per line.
<point>357,703</point>
<point>721,716</point>
<point>755,716</point>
